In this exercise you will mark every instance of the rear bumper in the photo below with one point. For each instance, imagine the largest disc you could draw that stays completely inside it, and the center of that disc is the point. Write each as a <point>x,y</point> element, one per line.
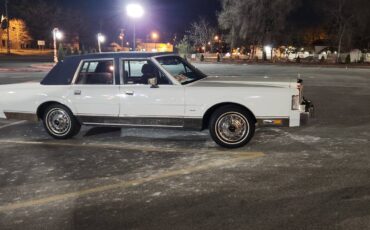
<point>309,111</point>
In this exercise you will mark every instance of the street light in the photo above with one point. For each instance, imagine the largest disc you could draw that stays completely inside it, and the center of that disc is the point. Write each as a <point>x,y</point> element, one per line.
<point>155,37</point>
<point>122,37</point>
<point>57,35</point>
<point>134,11</point>
<point>101,39</point>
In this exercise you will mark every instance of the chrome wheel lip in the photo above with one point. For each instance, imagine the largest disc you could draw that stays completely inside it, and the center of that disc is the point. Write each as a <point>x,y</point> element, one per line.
<point>242,123</point>
<point>58,122</point>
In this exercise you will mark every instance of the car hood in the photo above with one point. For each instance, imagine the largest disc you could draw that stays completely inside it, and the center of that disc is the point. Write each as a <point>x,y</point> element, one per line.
<point>240,81</point>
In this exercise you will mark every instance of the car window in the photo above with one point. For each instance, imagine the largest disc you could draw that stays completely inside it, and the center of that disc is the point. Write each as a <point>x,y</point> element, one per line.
<point>96,73</point>
<point>180,69</point>
<point>140,71</point>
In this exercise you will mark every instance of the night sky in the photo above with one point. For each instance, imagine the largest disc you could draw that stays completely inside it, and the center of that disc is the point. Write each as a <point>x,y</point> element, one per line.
<point>168,17</point>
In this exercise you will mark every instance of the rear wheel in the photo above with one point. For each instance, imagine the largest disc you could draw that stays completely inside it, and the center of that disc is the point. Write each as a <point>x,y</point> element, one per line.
<point>60,123</point>
<point>232,127</point>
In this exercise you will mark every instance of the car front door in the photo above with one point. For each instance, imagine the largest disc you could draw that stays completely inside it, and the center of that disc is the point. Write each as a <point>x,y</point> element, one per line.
<point>94,93</point>
<point>144,105</point>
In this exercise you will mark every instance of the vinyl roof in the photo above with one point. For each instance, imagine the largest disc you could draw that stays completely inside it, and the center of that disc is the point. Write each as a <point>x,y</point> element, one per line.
<point>120,55</point>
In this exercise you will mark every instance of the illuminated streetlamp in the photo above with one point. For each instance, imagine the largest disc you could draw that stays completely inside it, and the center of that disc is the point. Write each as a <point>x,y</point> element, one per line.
<point>57,35</point>
<point>155,37</point>
<point>101,39</point>
<point>135,11</point>
<point>122,37</point>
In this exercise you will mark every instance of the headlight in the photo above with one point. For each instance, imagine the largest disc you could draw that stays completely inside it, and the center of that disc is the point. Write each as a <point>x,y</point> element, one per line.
<point>295,102</point>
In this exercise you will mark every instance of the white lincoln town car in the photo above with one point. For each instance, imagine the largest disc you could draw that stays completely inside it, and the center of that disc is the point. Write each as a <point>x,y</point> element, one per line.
<point>153,90</point>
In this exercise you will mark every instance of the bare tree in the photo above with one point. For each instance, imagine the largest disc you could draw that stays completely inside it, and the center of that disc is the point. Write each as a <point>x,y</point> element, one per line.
<point>341,15</point>
<point>254,21</point>
<point>201,32</point>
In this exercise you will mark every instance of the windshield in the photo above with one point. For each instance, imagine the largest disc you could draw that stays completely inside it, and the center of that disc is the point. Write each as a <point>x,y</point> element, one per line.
<point>180,69</point>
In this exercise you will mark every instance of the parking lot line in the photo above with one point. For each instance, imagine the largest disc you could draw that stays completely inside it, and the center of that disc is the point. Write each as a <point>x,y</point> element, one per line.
<point>136,182</point>
<point>122,145</point>
<point>12,124</point>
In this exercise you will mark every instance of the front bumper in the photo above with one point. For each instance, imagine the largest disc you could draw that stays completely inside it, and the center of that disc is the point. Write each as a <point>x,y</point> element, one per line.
<point>297,117</point>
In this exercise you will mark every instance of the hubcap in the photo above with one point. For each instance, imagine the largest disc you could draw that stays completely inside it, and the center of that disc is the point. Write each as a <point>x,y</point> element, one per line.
<point>58,121</point>
<point>232,127</point>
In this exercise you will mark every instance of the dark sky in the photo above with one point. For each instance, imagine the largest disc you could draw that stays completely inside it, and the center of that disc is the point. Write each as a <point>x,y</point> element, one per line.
<point>166,16</point>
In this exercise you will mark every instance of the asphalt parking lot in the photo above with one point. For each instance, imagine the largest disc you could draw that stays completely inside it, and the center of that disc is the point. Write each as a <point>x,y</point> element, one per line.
<point>312,177</point>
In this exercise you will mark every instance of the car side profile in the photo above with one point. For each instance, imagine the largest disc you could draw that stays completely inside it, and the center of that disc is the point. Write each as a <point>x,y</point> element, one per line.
<point>136,89</point>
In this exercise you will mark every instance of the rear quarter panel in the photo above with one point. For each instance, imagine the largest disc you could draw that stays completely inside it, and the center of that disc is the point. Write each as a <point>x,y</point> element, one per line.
<point>26,98</point>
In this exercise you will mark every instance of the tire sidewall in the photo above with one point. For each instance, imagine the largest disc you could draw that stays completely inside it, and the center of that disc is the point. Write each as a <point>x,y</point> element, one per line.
<point>247,117</point>
<point>74,126</point>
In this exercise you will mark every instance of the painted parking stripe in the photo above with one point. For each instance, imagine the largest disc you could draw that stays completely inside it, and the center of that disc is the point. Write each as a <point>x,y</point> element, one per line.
<point>12,124</point>
<point>132,183</point>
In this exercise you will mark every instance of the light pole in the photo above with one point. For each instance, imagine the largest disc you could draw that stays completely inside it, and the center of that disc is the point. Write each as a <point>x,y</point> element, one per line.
<point>217,40</point>
<point>57,35</point>
<point>101,39</point>
<point>8,25</point>
<point>135,11</point>
<point>155,37</point>
<point>122,37</point>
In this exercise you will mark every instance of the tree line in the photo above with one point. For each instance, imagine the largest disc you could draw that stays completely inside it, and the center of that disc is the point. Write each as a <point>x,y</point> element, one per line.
<point>42,16</point>
<point>343,24</point>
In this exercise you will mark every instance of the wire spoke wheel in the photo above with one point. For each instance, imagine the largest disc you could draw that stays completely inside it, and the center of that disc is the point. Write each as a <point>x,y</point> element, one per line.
<point>232,127</point>
<point>58,121</point>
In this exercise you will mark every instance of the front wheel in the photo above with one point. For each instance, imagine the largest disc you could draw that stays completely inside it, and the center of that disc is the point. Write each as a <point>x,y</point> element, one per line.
<point>60,123</point>
<point>232,126</point>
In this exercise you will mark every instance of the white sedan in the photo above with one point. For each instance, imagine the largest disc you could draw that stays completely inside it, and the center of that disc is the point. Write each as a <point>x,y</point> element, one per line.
<point>153,90</point>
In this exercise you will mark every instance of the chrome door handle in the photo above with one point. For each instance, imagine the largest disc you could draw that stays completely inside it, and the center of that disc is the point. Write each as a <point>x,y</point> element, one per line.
<point>130,93</point>
<point>78,92</point>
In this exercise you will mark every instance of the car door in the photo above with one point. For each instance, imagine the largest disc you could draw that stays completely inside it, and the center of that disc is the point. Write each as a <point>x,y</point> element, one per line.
<point>144,105</point>
<point>94,92</point>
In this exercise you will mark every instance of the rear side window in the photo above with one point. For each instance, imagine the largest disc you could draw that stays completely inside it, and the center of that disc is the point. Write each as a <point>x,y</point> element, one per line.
<point>96,73</point>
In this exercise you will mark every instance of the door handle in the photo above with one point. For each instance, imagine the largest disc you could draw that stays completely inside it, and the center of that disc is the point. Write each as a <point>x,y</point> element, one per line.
<point>77,92</point>
<point>130,93</point>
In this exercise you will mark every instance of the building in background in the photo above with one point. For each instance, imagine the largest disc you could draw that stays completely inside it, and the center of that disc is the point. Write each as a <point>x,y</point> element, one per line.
<point>155,47</point>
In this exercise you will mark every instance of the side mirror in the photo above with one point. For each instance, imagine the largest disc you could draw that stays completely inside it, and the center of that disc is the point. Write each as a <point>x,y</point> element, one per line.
<point>153,82</point>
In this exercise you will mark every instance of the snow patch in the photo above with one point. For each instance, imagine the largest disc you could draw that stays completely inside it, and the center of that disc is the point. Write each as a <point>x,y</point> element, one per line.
<point>156,194</point>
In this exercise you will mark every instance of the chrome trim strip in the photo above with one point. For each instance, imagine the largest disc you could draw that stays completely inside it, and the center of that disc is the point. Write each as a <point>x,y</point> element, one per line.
<point>130,125</point>
<point>99,115</point>
<point>174,122</point>
<point>271,118</point>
